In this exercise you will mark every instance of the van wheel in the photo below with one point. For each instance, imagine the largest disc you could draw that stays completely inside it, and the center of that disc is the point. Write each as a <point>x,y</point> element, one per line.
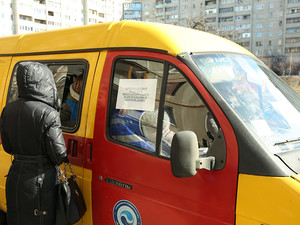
<point>3,218</point>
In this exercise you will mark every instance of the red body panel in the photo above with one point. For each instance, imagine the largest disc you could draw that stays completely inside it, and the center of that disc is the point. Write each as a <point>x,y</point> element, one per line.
<point>75,149</point>
<point>207,198</point>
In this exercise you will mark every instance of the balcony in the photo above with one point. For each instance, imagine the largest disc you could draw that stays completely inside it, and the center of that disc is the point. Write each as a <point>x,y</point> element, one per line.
<point>210,2</point>
<point>159,6</point>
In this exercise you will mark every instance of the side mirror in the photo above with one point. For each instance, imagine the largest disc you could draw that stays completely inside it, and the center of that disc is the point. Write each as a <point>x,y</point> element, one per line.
<point>185,159</point>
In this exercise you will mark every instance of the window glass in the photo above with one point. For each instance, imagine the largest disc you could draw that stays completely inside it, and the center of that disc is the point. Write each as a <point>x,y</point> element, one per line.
<point>137,117</point>
<point>184,110</point>
<point>135,100</point>
<point>266,104</point>
<point>69,81</point>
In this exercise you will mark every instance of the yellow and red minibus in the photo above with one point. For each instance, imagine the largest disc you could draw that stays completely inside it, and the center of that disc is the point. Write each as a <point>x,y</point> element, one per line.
<point>173,126</point>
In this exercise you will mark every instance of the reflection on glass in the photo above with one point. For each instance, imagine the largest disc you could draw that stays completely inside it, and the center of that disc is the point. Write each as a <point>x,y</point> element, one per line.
<point>248,87</point>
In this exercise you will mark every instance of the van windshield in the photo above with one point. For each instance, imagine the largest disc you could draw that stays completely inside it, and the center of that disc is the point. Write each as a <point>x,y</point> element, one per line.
<point>263,101</point>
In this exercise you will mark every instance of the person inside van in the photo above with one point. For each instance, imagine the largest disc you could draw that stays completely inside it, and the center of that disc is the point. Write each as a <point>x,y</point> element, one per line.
<point>138,128</point>
<point>68,111</point>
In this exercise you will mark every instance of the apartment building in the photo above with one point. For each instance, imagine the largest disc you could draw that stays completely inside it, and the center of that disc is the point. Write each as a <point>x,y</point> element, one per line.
<point>6,25</point>
<point>132,11</point>
<point>267,28</point>
<point>25,16</point>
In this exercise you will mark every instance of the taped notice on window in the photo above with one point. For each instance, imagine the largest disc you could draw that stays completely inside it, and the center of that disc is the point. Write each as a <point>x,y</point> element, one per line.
<point>137,94</point>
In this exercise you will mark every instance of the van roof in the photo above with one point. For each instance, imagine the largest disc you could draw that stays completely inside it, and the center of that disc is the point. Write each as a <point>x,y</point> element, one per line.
<point>118,35</point>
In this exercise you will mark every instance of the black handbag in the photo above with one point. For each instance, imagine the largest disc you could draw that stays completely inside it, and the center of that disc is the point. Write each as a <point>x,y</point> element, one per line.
<point>70,202</point>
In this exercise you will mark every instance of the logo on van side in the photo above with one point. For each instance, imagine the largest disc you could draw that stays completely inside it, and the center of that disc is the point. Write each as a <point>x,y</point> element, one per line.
<point>125,213</point>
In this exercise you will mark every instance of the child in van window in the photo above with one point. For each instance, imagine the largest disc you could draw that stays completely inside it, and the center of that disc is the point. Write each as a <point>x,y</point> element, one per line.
<point>68,111</point>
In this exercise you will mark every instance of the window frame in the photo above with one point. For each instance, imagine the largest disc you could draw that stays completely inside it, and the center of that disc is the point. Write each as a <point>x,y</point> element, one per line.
<point>68,62</point>
<point>161,106</point>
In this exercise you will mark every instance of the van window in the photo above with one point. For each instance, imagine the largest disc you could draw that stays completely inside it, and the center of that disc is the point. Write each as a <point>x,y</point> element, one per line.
<point>186,111</point>
<point>135,94</point>
<point>137,90</point>
<point>69,79</point>
<point>265,104</point>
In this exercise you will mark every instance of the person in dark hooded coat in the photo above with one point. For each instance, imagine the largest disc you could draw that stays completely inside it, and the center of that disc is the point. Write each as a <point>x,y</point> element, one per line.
<point>30,130</point>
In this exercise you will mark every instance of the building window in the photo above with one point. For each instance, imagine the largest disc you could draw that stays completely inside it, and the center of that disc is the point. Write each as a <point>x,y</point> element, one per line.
<point>260,6</point>
<point>292,40</point>
<point>226,19</point>
<point>293,20</point>
<point>211,20</point>
<point>259,16</point>
<point>226,10</point>
<point>246,35</point>
<point>259,34</point>
<point>244,44</point>
<point>292,50</point>
<point>259,43</point>
<point>243,26</point>
<point>259,25</point>
<point>171,17</point>
<point>210,2</point>
<point>293,30</point>
<point>242,8</point>
<point>170,9</point>
<point>227,28</point>
<point>40,21</point>
<point>294,10</point>
<point>210,11</point>
<point>23,17</point>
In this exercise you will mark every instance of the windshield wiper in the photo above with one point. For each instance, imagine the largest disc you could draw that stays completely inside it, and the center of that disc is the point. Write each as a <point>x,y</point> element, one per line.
<point>287,141</point>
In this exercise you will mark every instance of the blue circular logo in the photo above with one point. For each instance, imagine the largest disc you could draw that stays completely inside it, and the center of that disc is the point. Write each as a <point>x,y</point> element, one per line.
<point>125,213</point>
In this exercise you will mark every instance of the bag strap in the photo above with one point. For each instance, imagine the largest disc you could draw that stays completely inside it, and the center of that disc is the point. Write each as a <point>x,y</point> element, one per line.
<point>71,170</point>
<point>61,174</point>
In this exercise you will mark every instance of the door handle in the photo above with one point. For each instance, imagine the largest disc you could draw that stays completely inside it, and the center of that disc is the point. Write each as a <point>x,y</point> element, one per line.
<point>72,148</point>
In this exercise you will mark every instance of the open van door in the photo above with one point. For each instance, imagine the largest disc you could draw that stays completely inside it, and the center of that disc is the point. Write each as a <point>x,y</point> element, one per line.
<point>65,68</point>
<point>144,99</point>
<point>4,78</point>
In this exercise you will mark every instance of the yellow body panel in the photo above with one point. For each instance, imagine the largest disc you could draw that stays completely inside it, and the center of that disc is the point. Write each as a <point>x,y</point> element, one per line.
<point>5,164</point>
<point>125,34</point>
<point>4,67</point>
<point>10,44</point>
<point>87,193</point>
<point>94,96</point>
<point>267,200</point>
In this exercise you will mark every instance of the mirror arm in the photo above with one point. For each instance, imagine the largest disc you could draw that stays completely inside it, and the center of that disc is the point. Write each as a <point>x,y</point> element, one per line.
<point>207,163</point>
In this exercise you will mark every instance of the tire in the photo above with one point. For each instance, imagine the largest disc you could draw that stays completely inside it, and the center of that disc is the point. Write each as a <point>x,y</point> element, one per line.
<point>3,218</point>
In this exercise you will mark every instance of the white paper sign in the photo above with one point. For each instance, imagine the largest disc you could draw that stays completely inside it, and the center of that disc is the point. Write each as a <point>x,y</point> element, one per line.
<point>137,94</point>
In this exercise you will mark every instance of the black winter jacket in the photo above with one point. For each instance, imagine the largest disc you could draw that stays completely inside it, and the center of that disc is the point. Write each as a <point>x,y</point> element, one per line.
<point>30,127</point>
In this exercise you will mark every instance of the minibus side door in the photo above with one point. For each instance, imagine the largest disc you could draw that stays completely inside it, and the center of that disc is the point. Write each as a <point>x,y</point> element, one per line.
<point>5,158</point>
<point>4,77</point>
<point>65,68</point>
<point>132,180</point>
